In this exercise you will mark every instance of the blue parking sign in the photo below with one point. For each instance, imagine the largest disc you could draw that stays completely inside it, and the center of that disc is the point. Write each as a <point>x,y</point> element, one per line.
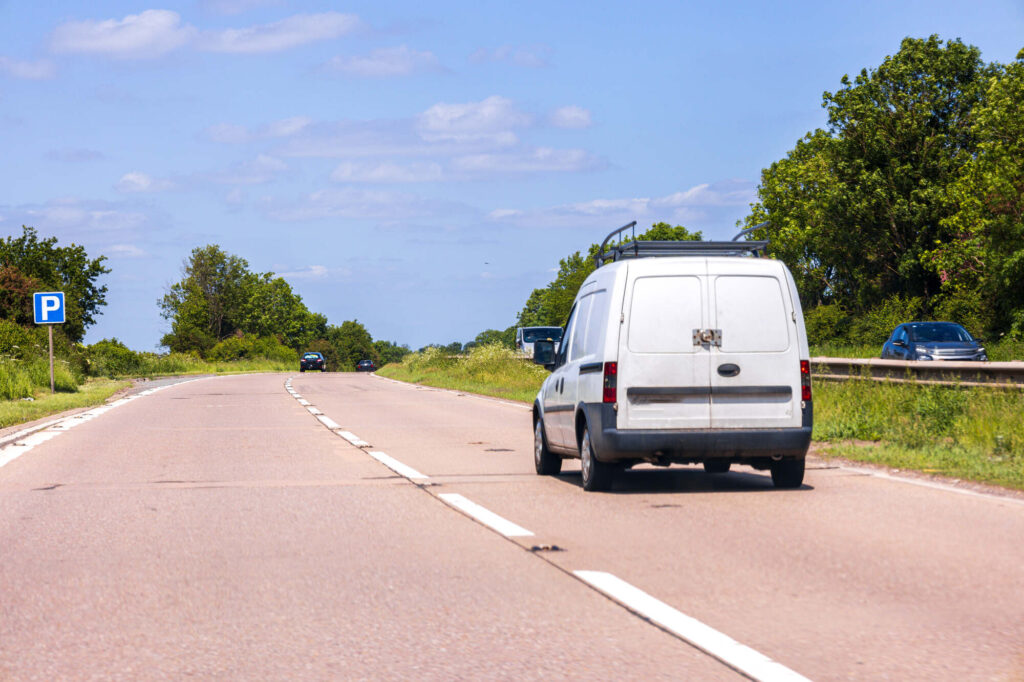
<point>49,307</point>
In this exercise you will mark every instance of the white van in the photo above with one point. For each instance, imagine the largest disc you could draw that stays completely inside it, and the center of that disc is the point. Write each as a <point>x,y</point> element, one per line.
<point>678,352</point>
<point>527,336</point>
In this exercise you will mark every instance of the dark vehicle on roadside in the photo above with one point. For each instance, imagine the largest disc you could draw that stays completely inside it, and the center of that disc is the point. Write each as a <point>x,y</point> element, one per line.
<point>932,341</point>
<point>366,366</point>
<point>312,360</point>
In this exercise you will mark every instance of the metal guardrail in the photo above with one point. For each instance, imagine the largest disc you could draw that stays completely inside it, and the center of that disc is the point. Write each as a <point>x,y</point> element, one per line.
<point>1009,374</point>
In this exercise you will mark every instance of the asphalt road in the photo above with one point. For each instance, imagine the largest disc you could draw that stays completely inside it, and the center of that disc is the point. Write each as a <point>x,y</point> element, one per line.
<point>216,529</point>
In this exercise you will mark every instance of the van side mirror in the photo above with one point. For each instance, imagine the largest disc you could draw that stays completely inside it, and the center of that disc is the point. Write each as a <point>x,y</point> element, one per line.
<point>544,353</point>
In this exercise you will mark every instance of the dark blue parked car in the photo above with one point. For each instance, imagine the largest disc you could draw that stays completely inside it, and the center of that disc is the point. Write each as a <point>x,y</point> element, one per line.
<point>932,341</point>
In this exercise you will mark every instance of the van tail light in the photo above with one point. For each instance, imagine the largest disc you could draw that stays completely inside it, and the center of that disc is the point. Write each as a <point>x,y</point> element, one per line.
<point>611,373</point>
<point>805,380</point>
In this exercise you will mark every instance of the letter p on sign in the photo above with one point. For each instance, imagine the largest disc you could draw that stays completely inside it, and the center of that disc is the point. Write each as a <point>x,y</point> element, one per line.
<point>49,307</point>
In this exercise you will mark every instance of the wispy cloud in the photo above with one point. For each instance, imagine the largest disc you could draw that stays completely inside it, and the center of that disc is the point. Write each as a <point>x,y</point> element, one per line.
<point>570,117</point>
<point>387,172</point>
<point>151,33</point>
<point>157,32</point>
<point>235,134</point>
<point>300,29</point>
<point>34,71</point>
<point>492,119</point>
<point>74,217</point>
<point>137,182</point>
<point>361,204</point>
<point>125,251</point>
<point>386,62</point>
<point>541,159</point>
<point>263,168</point>
<point>696,203</point>
<point>74,155</point>
<point>530,56</point>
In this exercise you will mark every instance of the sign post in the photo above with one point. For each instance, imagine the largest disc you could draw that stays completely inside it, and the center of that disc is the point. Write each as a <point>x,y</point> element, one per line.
<point>49,310</point>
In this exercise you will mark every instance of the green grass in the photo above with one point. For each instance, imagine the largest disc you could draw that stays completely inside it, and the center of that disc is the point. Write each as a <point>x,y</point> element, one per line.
<point>972,433</point>
<point>487,370</point>
<point>92,392</point>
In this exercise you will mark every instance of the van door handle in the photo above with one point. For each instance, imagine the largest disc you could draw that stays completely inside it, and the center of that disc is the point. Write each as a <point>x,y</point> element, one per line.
<point>728,369</point>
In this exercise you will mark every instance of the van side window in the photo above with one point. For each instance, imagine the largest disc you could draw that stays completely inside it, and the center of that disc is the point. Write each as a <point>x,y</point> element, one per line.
<point>597,322</point>
<point>581,327</point>
<point>570,326</point>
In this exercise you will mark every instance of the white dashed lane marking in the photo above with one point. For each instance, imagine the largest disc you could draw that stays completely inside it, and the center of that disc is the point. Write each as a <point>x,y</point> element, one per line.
<point>485,516</point>
<point>727,650</point>
<point>399,468</point>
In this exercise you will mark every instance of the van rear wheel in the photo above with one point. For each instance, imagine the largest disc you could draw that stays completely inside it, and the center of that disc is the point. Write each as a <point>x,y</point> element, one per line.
<point>788,473</point>
<point>545,462</point>
<point>597,475</point>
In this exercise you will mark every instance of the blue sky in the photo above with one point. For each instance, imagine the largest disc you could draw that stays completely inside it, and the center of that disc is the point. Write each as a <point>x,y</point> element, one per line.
<point>420,167</point>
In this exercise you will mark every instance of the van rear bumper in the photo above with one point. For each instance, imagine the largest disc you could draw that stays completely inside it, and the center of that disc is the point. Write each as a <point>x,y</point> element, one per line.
<point>690,445</point>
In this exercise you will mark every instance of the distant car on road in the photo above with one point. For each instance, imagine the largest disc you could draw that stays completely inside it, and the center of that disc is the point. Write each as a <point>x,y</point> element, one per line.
<point>366,366</point>
<point>932,341</point>
<point>526,336</point>
<point>312,360</point>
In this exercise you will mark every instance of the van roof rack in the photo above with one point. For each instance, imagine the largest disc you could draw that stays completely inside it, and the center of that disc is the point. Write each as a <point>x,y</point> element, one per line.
<point>644,249</point>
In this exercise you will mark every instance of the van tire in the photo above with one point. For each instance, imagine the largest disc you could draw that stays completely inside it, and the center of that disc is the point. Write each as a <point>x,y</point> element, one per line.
<point>788,473</point>
<point>597,475</point>
<point>545,462</point>
<point>717,466</point>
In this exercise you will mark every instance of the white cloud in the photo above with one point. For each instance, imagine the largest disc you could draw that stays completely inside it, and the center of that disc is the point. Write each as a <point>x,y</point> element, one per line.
<point>387,172</point>
<point>300,29</point>
<point>136,182</point>
<point>361,204</point>
<point>235,6</point>
<point>125,251</point>
<point>700,202</point>
<point>570,117</point>
<point>542,159</point>
<point>530,56</point>
<point>35,71</point>
<point>386,62</point>
<point>229,133</point>
<point>312,272</point>
<point>491,119</point>
<point>261,169</point>
<point>73,216</point>
<point>151,33</point>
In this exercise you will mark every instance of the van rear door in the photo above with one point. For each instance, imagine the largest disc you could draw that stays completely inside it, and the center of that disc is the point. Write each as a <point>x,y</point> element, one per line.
<point>663,378</point>
<point>755,372</point>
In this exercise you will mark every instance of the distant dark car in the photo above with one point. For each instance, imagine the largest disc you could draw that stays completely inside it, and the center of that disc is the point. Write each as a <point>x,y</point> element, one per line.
<point>312,361</point>
<point>932,341</point>
<point>365,366</point>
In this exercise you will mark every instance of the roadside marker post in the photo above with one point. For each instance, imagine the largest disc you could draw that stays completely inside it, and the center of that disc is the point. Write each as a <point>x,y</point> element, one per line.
<point>49,310</point>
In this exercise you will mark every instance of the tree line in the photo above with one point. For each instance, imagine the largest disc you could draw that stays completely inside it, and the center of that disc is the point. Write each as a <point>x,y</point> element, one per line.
<point>222,309</point>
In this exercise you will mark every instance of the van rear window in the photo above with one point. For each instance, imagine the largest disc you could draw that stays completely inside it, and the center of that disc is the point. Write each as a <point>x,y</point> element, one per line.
<point>663,314</point>
<point>751,312</point>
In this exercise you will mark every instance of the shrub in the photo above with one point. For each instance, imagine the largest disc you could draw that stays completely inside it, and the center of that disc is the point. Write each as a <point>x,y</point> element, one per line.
<point>826,324</point>
<point>875,326</point>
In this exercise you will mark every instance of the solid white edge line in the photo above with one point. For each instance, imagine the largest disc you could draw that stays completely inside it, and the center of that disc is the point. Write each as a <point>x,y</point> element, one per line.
<point>934,485</point>
<point>313,410</point>
<point>396,466</point>
<point>727,650</point>
<point>37,435</point>
<point>485,516</point>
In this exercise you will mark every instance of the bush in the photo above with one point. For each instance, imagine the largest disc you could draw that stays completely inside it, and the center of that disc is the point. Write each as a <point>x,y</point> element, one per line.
<point>875,326</point>
<point>111,358</point>
<point>249,348</point>
<point>826,324</point>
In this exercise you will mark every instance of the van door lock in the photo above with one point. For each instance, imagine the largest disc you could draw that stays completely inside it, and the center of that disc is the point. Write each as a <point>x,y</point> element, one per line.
<point>712,337</point>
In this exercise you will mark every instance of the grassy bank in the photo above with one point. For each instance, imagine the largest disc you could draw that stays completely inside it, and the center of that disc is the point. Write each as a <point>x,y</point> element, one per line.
<point>92,392</point>
<point>488,370</point>
<point>971,433</point>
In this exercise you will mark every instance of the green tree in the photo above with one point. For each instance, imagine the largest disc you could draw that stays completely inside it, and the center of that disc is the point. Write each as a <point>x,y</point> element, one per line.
<point>388,351</point>
<point>980,261</point>
<point>16,291</point>
<point>58,268</point>
<point>352,343</point>
<point>854,208</point>
<point>211,293</point>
